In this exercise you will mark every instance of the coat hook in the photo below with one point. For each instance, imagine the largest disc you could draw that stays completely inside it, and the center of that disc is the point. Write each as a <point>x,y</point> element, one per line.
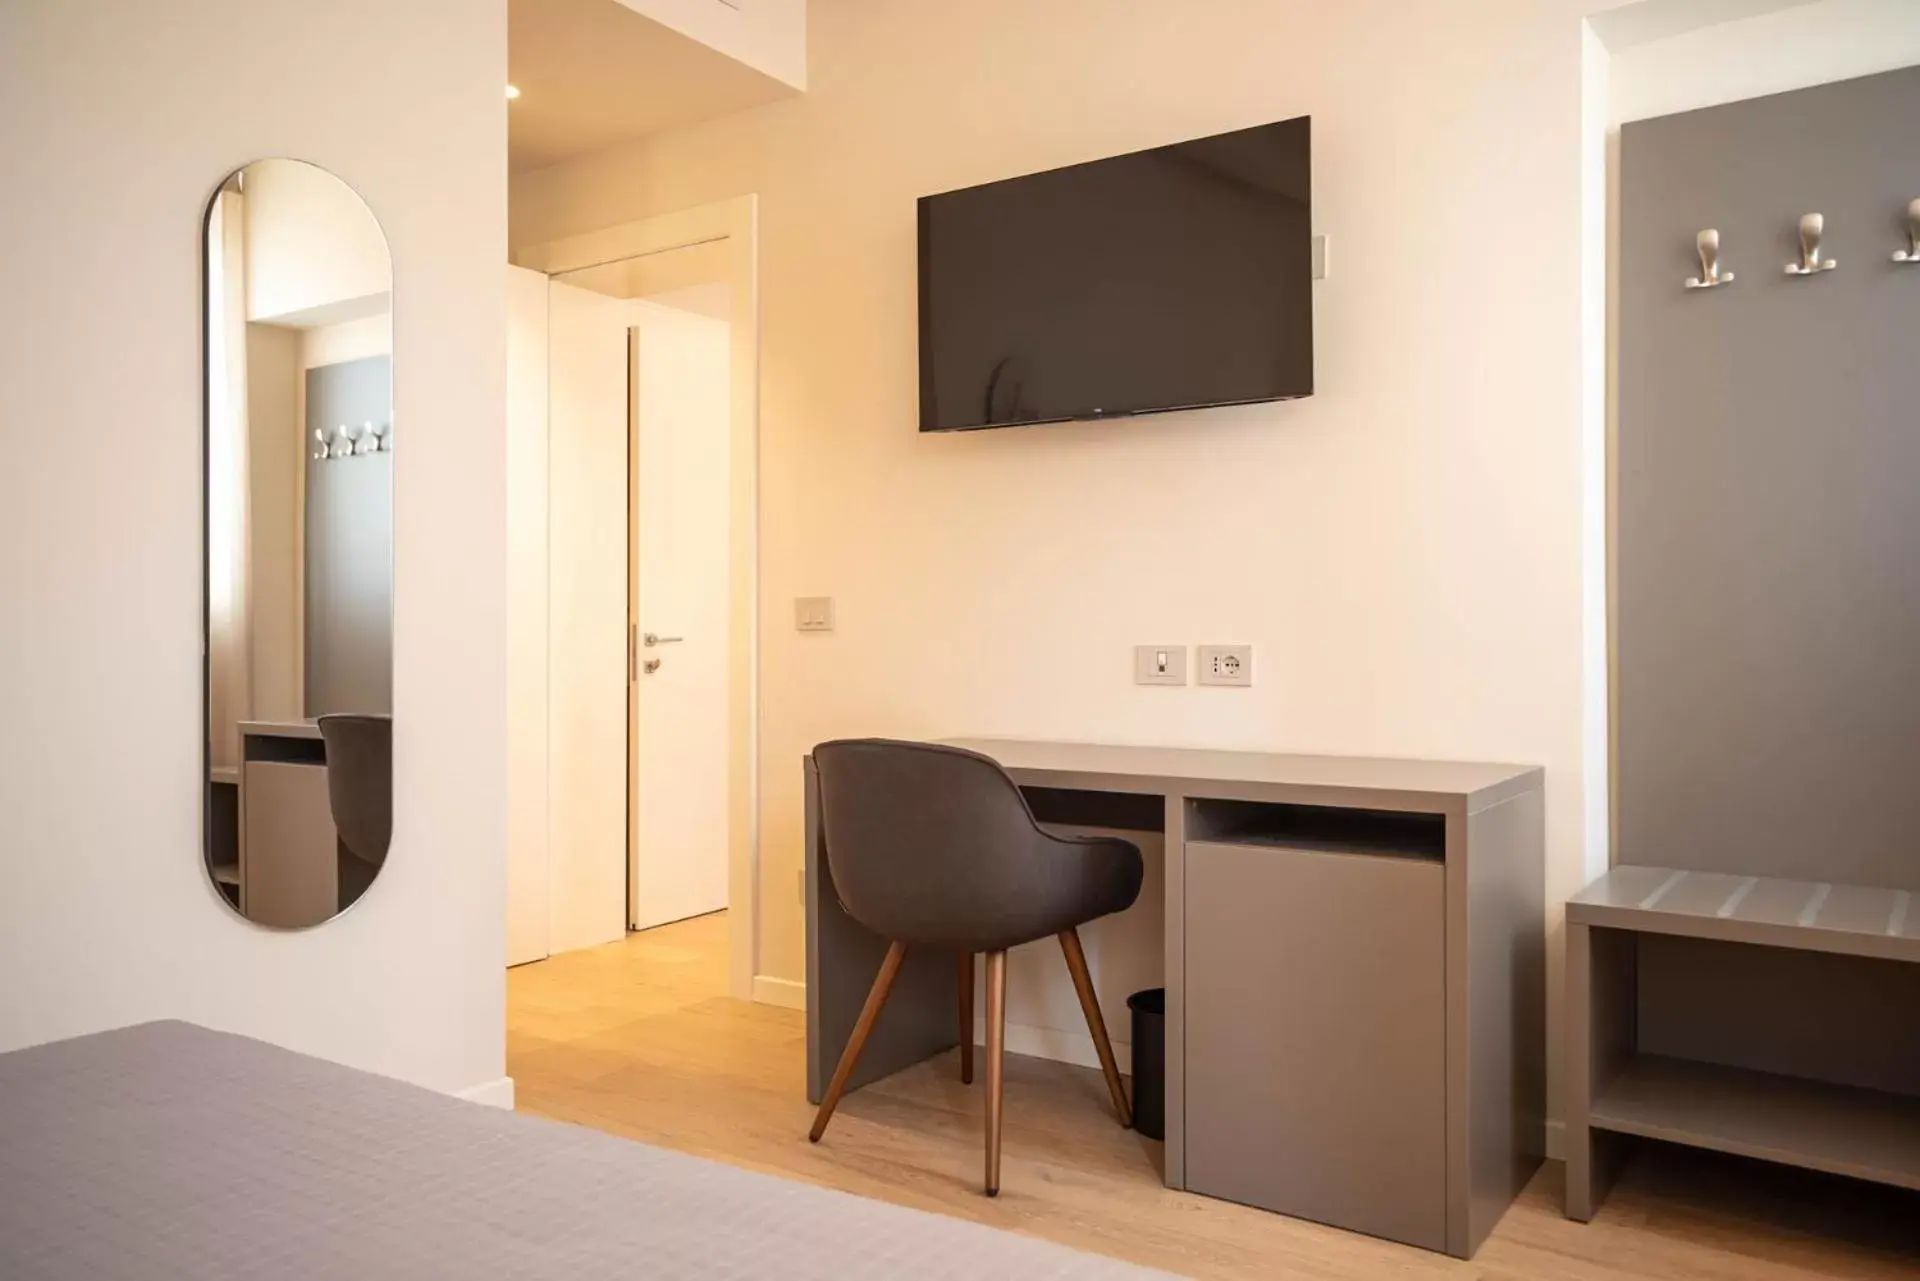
<point>1708,244</point>
<point>1812,227</point>
<point>1912,252</point>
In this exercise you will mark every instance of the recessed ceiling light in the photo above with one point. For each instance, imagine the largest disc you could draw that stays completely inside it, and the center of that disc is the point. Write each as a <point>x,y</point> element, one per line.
<point>512,92</point>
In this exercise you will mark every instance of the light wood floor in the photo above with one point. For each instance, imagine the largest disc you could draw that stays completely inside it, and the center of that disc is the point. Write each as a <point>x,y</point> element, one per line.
<point>639,1039</point>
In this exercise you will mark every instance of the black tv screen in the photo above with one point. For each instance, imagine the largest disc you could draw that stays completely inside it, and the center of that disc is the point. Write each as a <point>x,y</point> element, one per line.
<point>1167,279</point>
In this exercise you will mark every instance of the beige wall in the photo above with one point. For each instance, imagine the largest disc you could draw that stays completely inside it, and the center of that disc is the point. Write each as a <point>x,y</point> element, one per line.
<point>347,340</point>
<point>1404,549</point>
<point>1799,46</point>
<point>106,917</point>
<point>768,35</point>
<point>314,249</point>
<point>527,575</point>
<point>276,455</point>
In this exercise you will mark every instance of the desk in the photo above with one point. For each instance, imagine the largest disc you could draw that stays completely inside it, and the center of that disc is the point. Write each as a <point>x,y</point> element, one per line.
<point>1441,927</point>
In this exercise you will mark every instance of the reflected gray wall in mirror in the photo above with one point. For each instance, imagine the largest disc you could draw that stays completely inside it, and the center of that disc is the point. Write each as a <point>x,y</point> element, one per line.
<point>349,532</point>
<point>299,544</point>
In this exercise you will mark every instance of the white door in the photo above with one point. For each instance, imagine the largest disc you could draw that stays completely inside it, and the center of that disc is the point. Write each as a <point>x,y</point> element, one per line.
<point>587,615</point>
<point>681,486</point>
<point>638,539</point>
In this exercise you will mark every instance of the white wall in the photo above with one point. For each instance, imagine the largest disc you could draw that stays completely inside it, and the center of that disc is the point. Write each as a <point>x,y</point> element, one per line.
<point>314,249</point>
<point>527,573</point>
<point>768,35</point>
<point>276,457</point>
<point>106,917</point>
<point>1795,48</point>
<point>347,340</point>
<point>1404,549</point>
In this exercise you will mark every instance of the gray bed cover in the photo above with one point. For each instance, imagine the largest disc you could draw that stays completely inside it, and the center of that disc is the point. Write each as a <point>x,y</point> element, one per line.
<point>167,1150</point>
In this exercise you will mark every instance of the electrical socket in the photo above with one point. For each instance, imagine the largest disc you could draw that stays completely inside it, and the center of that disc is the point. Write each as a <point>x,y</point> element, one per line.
<point>813,613</point>
<point>1226,665</point>
<point>1159,664</point>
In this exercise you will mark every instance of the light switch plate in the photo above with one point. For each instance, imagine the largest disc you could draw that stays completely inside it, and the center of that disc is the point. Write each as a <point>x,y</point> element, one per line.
<point>1226,664</point>
<point>813,613</point>
<point>1160,664</point>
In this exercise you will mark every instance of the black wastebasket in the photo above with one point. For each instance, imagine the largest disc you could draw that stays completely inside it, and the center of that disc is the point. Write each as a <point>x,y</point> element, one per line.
<point>1149,1010</point>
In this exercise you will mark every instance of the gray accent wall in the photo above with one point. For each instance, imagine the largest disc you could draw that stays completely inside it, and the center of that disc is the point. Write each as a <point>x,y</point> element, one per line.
<point>349,546</point>
<point>1767,492</point>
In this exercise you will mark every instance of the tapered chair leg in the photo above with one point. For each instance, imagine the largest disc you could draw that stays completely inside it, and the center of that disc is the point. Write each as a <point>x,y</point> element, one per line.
<point>1090,1005</point>
<point>996,1062</point>
<point>966,1018</point>
<point>863,1026</point>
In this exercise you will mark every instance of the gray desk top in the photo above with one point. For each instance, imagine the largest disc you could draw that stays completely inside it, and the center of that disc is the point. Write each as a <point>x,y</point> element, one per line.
<point>1184,768</point>
<point>280,729</point>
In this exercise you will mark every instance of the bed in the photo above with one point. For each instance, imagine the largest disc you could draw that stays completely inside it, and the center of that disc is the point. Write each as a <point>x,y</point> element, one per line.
<point>167,1150</point>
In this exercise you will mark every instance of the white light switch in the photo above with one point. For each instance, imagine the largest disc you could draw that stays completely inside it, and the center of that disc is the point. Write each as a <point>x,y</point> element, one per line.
<point>1160,664</point>
<point>813,613</point>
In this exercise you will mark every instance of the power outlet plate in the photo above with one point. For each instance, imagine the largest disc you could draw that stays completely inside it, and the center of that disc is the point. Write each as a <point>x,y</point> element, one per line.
<point>1226,665</point>
<point>813,613</point>
<point>1159,664</point>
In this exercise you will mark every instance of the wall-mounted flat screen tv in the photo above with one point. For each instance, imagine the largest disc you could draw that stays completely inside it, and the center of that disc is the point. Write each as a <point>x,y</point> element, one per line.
<point>1174,278</point>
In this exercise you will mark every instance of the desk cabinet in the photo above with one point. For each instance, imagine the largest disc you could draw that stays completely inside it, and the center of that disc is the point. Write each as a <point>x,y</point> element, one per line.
<point>289,871</point>
<point>290,863</point>
<point>1316,1036</point>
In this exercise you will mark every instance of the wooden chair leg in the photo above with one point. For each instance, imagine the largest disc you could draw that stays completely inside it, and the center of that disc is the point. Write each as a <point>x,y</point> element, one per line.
<point>996,1062</point>
<point>1090,1005</point>
<point>966,1018</point>
<point>876,998</point>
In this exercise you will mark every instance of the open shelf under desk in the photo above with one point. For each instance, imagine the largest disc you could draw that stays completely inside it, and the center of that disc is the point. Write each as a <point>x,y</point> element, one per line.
<point>1837,1129</point>
<point>1318,828</point>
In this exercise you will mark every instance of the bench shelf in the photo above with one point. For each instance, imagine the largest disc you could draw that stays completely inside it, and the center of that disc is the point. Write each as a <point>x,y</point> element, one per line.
<point>1778,949</point>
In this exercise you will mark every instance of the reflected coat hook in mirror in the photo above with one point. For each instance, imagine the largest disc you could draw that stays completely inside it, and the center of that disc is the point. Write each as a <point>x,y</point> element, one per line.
<point>1911,253</point>
<point>1812,227</point>
<point>1707,243</point>
<point>349,440</point>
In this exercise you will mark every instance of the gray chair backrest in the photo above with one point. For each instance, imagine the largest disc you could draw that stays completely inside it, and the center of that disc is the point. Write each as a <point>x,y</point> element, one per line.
<point>936,845</point>
<point>360,782</point>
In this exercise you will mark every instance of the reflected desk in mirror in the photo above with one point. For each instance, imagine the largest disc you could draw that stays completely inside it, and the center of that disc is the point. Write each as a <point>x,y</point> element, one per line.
<point>276,852</point>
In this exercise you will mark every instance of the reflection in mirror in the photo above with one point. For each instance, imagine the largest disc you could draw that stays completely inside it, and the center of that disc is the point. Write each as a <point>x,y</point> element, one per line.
<point>299,525</point>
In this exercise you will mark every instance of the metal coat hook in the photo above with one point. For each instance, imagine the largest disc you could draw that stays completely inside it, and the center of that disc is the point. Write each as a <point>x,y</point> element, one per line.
<point>1912,252</point>
<point>1708,245</point>
<point>1812,227</point>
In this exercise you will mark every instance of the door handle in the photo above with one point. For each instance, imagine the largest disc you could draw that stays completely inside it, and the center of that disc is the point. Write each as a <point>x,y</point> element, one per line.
<point>650,639</point>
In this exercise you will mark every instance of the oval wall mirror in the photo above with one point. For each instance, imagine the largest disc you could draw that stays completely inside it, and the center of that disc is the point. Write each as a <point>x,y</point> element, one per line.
<point>299,544</point>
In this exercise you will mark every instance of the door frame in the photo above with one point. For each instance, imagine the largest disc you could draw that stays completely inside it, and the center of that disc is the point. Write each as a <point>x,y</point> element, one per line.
<point>736,223</point>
